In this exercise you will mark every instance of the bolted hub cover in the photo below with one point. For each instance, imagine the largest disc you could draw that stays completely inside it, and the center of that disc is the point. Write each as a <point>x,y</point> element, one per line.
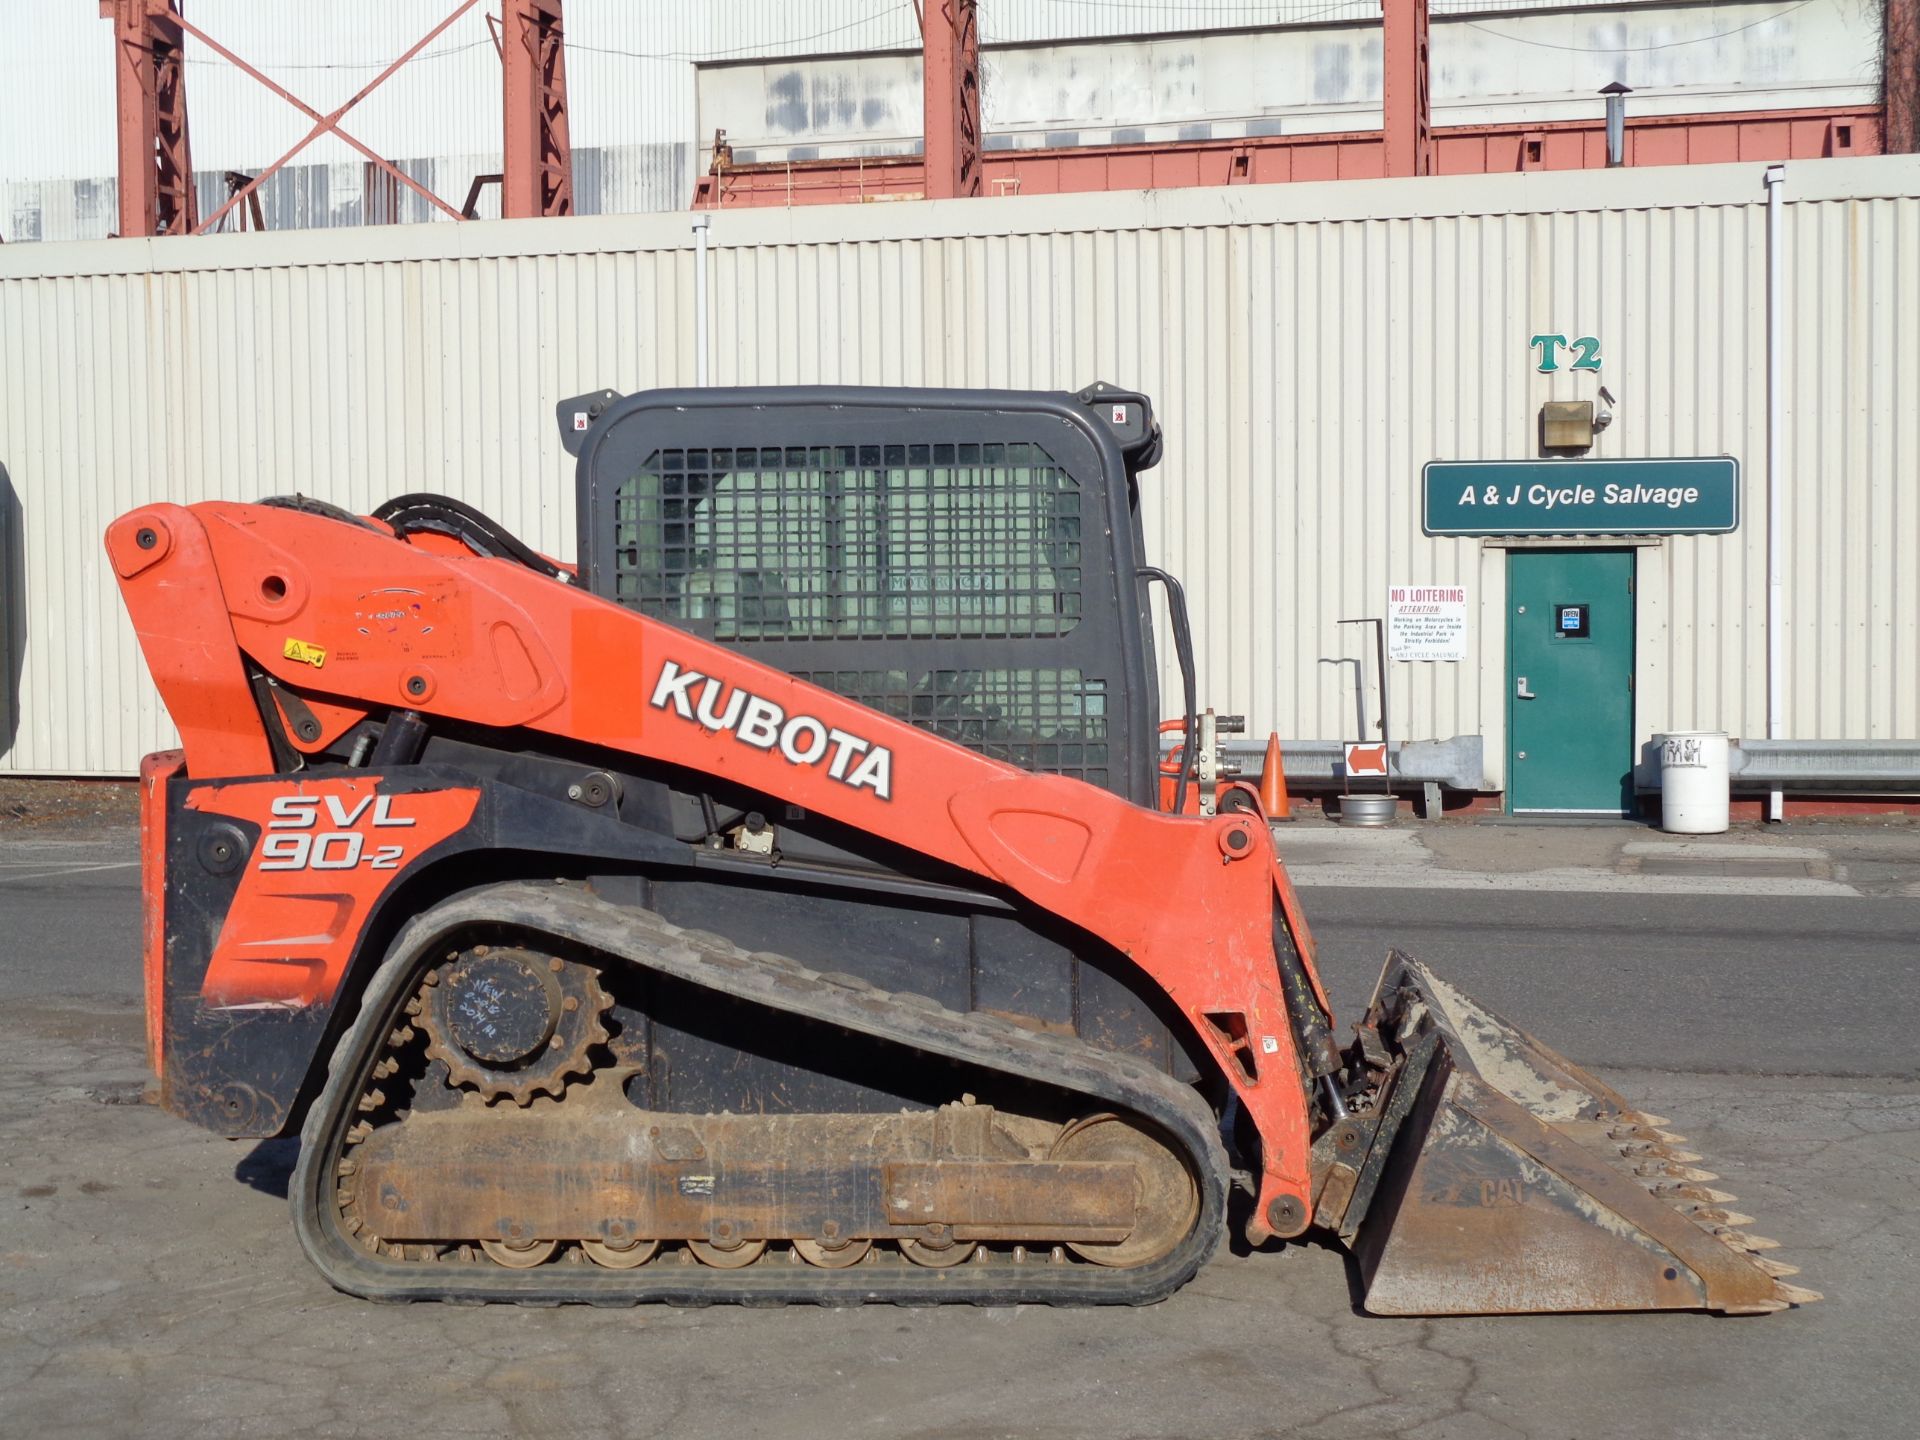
<point>511,1023</point>
<point>502,1007</point>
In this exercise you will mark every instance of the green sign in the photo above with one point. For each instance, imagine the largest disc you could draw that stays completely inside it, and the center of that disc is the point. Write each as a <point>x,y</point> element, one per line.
<point>1586,352</point>
<point>1581,497</point>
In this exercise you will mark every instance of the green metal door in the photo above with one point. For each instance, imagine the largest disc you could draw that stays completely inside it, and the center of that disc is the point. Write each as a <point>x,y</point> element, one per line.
<point>1570,681</point>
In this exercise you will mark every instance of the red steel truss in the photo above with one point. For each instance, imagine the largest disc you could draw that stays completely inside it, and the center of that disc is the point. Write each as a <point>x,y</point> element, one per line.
<point>1900,75</point>
<point>1406,128</point>
<point>539,159</point>
<point>150,81</point>
<point>950,90</point>
<point>156,174</point>
<point>157,194</point>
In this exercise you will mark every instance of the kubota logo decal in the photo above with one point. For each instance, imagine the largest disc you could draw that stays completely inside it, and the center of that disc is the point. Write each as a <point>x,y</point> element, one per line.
<point>302,845</point>
<point>759,722</point>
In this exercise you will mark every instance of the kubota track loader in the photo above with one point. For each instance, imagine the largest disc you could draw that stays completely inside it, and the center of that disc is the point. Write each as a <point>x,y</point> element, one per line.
<point>774,905</point>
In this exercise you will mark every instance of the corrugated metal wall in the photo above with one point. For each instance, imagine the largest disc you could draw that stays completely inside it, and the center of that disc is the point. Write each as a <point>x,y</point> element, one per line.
<point>1309,346</point>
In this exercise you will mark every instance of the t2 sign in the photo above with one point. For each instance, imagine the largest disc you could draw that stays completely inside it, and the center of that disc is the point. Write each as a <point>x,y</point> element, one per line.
<point>1586,352</point>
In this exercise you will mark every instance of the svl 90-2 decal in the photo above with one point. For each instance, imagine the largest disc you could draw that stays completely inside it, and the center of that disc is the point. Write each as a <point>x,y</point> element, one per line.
<point>328,848</point>
<point>302,845</point>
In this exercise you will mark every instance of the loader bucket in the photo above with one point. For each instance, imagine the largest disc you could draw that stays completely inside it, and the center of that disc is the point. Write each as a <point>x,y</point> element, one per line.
<point>1492,1176</point>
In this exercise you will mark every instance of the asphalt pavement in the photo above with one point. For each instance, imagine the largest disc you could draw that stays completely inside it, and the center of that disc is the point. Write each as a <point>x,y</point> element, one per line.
<point>69,917</point>
<point>150,1283</point>
<point>1700,984</point>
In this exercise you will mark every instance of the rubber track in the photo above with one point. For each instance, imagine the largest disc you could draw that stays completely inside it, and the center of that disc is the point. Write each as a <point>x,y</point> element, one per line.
<point>568,913</point>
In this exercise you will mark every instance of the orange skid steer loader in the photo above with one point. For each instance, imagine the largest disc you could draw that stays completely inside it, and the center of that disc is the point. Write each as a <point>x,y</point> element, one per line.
<point>774,905</point>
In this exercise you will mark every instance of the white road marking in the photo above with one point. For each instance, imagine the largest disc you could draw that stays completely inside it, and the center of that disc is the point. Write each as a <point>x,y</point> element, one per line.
<point>1595,882</point>
<point>12,841</point>
<point>46,860</point>
<point>70,870</point>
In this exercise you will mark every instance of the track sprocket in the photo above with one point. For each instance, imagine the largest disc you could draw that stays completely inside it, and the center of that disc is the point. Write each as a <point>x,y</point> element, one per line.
<point>512,1023</point>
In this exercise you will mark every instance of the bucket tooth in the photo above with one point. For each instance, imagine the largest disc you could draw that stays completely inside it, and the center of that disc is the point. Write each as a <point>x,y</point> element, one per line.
<point>1740,1240</point>
<point>1645,1145</point>
<point>1779,1269</point>
<point>1713,1215</point>
<point>1706,1195</point>
<point>1649,1154</point>
<point>1796,1294</point>
<point>1504,1179</point>
<point>1672,1170</point>
<point>1647,1134</point>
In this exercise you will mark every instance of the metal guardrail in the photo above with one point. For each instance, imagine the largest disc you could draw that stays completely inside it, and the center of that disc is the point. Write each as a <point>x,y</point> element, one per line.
<point>1456,764</point>
<point>1858,767</point>
<point>1865,766</point>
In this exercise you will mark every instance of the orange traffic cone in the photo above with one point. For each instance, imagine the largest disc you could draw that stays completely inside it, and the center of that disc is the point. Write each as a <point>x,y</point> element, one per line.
<point>1273,782</point>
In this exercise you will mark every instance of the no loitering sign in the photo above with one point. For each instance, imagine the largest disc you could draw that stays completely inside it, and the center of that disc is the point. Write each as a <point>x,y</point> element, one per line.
<point>1426,622</point>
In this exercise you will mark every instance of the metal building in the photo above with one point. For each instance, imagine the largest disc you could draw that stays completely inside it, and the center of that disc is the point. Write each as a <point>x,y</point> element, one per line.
<point>1310,347</point>
<point>1076,95</point>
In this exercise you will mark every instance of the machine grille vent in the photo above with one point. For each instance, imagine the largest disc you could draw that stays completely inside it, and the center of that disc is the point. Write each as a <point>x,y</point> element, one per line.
<point>853,542</point>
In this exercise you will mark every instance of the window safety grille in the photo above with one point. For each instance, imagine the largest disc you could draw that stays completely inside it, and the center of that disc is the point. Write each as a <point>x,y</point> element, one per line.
<point>853,542</point>
<point>1048,720</point>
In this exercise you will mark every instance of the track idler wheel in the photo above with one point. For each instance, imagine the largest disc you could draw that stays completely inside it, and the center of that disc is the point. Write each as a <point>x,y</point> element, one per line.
<point>834,1257</point>
<point>937,1257</point>
<point>630,1255</point>
<point>520,1255</point>
<point>736,1257</point>
<point>1167,1201</point>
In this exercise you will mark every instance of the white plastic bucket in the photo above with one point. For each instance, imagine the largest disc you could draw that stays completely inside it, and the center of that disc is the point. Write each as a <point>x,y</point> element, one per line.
<point>1693,782</point>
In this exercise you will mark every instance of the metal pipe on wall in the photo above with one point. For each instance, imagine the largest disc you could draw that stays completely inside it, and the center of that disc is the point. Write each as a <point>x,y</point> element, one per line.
<point>1616,94</point>
<point>701,224</point>
<point>1776,178</point>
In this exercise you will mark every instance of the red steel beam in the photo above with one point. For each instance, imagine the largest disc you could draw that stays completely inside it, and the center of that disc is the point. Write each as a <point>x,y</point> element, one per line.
<point>1900,75</point>
<point>150,92</point>
<point>950,83</point>
<point>538,153</point>
<point>1757,135</point>
<point>1407,112</point>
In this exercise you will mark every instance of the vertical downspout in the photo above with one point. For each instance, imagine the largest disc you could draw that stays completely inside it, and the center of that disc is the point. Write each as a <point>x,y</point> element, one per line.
<point>1776,177</point>
<point>1616,94</point>
<point>701,223</point>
